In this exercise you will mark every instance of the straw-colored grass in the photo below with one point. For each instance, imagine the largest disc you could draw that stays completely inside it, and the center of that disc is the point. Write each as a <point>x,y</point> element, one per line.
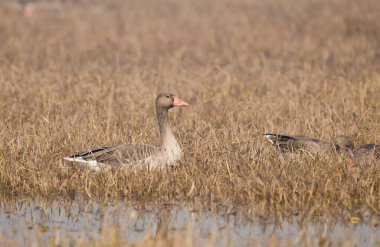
<point>85,75</point>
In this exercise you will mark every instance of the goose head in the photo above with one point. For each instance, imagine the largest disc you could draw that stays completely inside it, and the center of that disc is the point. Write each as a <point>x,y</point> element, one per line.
<point>167,101</point>
<point>345,142</point>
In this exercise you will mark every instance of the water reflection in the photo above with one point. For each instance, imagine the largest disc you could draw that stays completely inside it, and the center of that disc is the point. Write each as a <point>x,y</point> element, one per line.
<point>25,222</point>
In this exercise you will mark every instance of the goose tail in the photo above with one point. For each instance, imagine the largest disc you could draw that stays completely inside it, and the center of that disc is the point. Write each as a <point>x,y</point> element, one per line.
<point>276,138</point>
<point>91,164</point>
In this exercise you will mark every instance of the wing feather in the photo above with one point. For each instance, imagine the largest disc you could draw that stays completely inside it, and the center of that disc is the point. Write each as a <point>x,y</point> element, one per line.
<point>116,156</point>
<point>297,143</point>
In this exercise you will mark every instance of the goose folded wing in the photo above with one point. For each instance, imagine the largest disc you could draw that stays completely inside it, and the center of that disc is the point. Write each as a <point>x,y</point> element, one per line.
<point>118,155</point>
<point>369,150</point>
<point>293,142</point>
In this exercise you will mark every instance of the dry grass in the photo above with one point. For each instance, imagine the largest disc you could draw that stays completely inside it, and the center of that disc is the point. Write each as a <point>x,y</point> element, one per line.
<point>85,75</point>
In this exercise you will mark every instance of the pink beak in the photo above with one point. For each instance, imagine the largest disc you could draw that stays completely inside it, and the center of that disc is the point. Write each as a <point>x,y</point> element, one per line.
<point>179,102</point>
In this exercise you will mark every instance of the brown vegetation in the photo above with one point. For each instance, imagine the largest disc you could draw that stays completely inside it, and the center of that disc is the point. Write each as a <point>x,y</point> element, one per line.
<point>85,75</point>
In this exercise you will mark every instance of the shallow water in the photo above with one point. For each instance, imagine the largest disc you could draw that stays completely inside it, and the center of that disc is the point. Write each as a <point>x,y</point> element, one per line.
<point>26,222</point>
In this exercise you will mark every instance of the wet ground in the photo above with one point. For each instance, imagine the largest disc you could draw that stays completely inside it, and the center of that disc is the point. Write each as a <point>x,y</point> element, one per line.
<point>25,222</point>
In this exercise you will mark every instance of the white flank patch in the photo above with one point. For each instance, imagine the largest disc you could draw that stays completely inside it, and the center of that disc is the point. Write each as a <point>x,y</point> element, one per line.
<point>92,164</point>
<point>269,137</point>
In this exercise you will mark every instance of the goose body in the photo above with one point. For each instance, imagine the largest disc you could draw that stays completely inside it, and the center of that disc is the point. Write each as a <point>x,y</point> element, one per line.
<point>370,149</point>
<point>366,154</point>
<point>139,155</point>
<point>363,155</point>
<point>295,143</point>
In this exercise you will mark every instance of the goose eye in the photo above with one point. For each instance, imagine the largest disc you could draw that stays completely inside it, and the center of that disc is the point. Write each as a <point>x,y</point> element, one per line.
<point>167,96</point>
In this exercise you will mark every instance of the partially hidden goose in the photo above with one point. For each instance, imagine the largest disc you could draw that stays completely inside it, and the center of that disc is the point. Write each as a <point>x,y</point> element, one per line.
<point>294,143</point>
<point>370,150</point>
<point>366,154</point>
<point>363,155</point>
<point>139,155</point>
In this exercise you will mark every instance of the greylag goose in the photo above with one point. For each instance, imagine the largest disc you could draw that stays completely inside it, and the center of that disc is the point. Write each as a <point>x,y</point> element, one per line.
<point>139,155</point>
<point>372,150</point>
<point>294,143</point>
<point>366,154</point>
<point>363,155</point>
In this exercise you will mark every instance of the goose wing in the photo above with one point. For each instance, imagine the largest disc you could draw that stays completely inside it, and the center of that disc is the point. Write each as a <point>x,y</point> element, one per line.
<point>368,151</point>
<point>295,142</point>
<point>115,156</point>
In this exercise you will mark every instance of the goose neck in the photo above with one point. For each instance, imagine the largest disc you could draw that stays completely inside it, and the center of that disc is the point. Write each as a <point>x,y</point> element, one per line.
<point>163,123</point>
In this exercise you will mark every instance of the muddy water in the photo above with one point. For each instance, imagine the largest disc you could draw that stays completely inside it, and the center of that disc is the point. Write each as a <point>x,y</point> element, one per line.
<point>26,222</point>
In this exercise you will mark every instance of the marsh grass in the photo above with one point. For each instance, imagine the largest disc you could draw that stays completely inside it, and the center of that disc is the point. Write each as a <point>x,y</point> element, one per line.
<point>85,75</point>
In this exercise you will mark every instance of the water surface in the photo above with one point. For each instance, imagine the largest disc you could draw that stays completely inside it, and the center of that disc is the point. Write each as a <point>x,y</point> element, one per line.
<point>25,222</point>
